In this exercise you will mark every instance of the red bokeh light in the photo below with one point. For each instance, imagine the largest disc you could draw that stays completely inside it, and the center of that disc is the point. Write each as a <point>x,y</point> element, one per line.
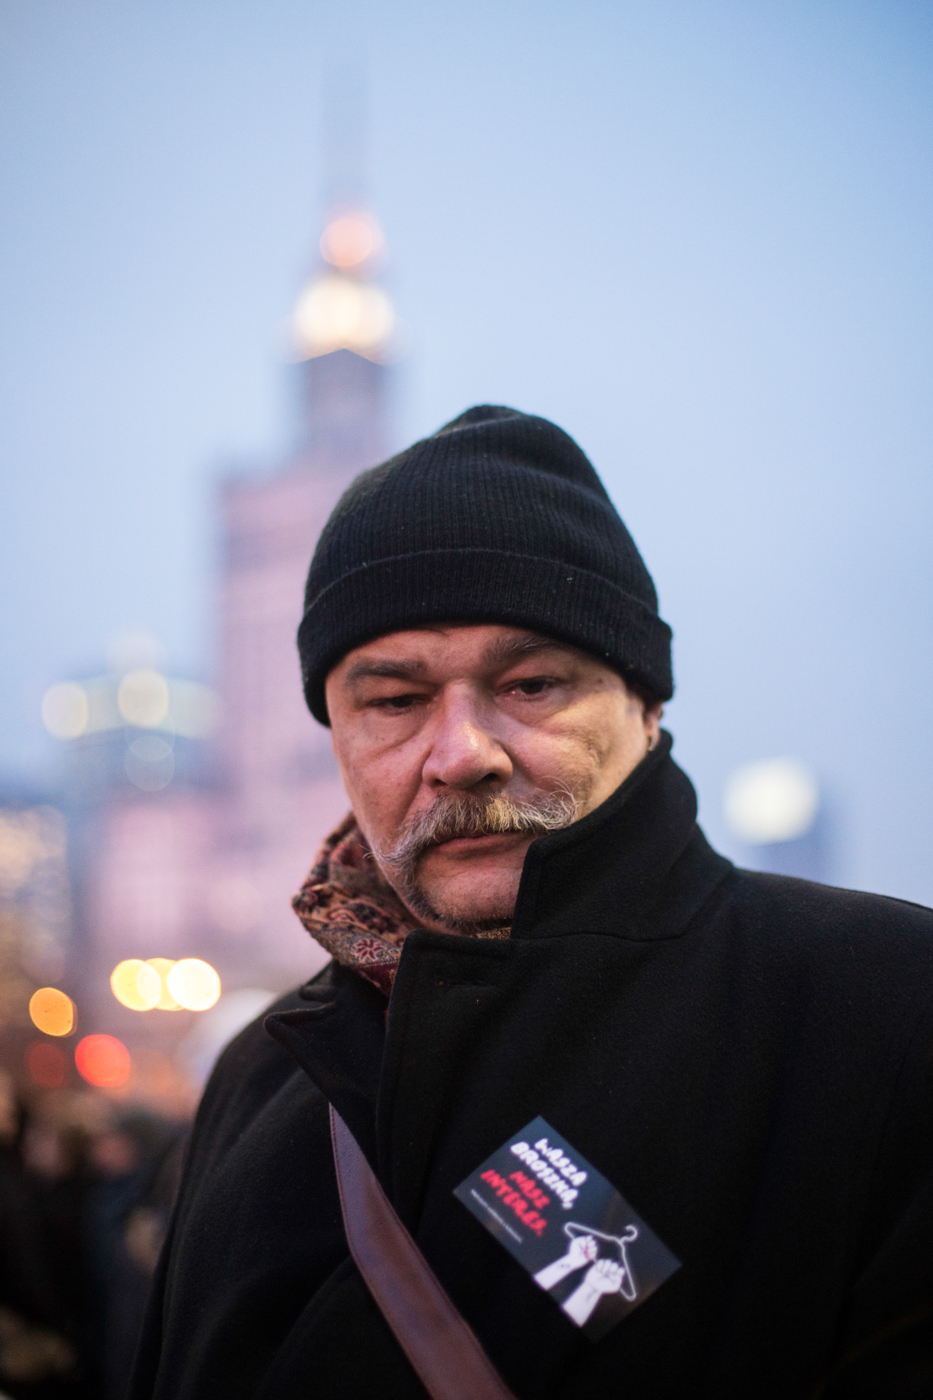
<point>103,1061</point>
<point>46,1064</point>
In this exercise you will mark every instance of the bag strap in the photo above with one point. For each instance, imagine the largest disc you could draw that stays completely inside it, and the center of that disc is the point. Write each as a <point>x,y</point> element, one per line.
<point>437,1341</point>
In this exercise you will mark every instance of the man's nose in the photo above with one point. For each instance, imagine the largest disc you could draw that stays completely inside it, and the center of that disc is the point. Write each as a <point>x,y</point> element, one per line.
<point>464,750</point>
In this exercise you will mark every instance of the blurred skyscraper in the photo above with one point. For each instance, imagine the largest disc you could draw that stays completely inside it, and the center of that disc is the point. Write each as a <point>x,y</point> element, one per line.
<point>282,790</point>
<point>196,816</point>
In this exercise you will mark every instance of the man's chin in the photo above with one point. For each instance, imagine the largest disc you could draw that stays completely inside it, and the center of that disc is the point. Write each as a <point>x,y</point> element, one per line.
<point>466,886</point>
<point>442,911</point>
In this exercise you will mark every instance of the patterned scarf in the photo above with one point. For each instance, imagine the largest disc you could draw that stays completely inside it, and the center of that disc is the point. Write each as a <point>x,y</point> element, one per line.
<point>348,906</point>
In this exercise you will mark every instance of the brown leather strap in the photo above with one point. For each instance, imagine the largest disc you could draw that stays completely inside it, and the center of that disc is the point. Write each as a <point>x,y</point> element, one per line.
<point>437,1341</point>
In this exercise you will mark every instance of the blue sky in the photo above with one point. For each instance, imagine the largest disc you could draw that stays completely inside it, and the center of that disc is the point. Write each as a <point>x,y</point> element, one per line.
<point>697,235</point>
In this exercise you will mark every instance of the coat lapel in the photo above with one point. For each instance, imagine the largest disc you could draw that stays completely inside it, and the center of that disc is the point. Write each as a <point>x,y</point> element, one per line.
<point>338,1041</point>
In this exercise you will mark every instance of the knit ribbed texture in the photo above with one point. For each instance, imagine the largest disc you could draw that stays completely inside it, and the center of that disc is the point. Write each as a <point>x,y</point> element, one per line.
<point>498,518</point>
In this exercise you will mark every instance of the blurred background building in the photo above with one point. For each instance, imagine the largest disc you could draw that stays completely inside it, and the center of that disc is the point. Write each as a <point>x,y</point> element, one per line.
<point>186,814</point>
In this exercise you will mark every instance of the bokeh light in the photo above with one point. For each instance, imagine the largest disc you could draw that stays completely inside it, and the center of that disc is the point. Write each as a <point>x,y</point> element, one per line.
<point>46,1064</point>
<point>351,239</point>
<point>337,312</point>
<point>194,984</point>
<point>776,799</point>
<point>52,1011</point>
<point>142,698</point>
<point>163,967</point>
<point>136,984</point>
<point>103,1061</point>
<point>65,710</point>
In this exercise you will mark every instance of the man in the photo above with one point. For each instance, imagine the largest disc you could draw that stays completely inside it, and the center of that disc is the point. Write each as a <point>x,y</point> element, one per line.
<point>660,1127</point>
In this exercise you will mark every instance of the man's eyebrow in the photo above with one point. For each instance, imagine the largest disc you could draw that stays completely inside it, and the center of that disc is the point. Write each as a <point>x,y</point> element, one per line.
<point>391,670</point>
<point>506,649</point>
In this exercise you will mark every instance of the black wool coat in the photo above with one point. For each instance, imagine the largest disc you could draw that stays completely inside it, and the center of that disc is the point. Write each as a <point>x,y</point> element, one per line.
<point>747,1058</point>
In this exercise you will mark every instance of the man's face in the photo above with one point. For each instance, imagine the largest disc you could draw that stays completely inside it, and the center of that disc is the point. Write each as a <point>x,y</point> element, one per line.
<point>459,744</point>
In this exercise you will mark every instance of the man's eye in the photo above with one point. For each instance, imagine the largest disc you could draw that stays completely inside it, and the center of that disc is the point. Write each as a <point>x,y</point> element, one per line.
<point>536,685</point>
<point>397,702</point>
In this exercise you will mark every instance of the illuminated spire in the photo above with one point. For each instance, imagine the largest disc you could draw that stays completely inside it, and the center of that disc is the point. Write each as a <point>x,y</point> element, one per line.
<point>341,308</point>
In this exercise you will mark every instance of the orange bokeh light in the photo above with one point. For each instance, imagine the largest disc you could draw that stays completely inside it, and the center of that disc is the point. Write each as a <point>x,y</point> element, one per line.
<point>46,1064</point>
<point>136,984</point>
<point>52,1011</point>
<point>103,1061</point>
<point>163,967</point>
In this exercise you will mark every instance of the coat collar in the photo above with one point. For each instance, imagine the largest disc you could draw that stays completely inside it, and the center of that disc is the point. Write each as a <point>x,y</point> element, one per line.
<point>637,867</point>
<point>338,1041</point>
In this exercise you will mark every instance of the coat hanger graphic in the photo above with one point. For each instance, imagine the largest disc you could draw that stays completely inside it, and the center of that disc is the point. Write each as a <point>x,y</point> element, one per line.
<point>572,1229</point>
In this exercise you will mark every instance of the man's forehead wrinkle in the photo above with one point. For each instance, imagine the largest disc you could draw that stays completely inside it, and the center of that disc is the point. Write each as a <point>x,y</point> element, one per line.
<point>499,651</point>
<point>511,648</point>
<point>406,668</point>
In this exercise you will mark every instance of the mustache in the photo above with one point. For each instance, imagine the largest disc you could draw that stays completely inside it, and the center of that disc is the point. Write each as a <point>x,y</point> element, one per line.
<point>456,814</point>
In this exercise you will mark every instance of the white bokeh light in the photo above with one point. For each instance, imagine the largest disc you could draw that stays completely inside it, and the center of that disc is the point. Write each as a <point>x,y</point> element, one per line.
<point>193,983</point>
<point>337,312</point>
<point>65,710</point>
<point>142,698</point>
<point>775,799</point>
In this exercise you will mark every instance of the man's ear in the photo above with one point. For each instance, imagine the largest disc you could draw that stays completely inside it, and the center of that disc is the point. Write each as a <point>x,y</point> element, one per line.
<point>651,714</point>
<point>651,707</point>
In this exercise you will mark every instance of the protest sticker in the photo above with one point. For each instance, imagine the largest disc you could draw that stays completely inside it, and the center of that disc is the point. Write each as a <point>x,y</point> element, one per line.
<point>569,1227</point>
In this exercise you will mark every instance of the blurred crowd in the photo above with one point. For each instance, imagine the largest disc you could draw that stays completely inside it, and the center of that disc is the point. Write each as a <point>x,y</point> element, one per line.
<point>86,1187</point>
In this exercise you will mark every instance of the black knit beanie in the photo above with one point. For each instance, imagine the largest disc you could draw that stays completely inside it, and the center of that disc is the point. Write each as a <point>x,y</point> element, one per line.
<point>497,518</point>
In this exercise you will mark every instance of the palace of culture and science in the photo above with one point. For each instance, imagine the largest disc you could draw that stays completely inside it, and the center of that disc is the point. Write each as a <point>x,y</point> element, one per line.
<point>193,814</point>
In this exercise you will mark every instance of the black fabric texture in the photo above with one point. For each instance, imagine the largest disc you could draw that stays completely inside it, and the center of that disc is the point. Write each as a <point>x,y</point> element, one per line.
<point>747,1058</point>
<point>497,518</point>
